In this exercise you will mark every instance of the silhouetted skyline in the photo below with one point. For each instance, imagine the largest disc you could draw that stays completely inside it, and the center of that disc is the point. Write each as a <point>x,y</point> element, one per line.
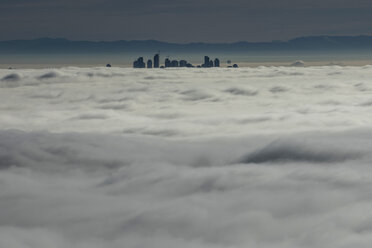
<point>183,21</point>
<point>208,63</point>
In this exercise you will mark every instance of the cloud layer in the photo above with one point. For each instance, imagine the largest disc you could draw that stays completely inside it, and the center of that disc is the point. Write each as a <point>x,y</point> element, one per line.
<point>253,157</point>
<point>190,103</point>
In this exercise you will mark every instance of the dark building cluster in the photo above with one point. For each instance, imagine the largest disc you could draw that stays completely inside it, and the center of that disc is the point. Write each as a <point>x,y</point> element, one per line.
<point>139,63</point>
<point>176,63</point>
<point>208,63</point>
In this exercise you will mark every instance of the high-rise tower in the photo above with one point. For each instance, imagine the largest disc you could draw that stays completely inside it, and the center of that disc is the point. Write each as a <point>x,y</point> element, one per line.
<point>206,62</point>
<point>167,63</point>
<point>149,63</point>
<point>156,61</point>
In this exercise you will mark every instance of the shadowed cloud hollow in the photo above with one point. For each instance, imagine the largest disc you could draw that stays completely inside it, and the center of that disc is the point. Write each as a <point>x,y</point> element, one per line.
<point>282,152</point>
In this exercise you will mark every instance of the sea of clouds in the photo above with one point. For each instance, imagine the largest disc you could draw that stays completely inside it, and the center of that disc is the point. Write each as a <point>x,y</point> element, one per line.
<point>186,158</point>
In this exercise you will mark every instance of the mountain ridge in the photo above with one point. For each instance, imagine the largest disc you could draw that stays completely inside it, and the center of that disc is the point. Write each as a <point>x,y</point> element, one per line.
<point>62,45</point>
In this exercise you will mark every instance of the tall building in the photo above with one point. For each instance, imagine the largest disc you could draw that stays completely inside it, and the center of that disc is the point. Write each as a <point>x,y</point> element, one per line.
<point>156,61</point>
<point>216,63</point>
<point>167,63</point>
<point>174,63</point>
<point>210,63</point>
<point>149,63</point>
<point>183,63</point>
<point>135,64</point>
<point>206,62</point>
<point>139,63</point>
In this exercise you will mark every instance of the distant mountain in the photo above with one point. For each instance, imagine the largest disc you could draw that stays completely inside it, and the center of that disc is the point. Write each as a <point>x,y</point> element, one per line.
<point>49,45</point>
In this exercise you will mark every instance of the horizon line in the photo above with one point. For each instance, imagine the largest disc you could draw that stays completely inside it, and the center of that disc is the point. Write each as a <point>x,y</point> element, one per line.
<point>188,43</point>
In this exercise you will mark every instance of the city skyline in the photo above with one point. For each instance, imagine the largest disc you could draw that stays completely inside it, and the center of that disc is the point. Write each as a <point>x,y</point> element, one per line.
<point>208,63</point>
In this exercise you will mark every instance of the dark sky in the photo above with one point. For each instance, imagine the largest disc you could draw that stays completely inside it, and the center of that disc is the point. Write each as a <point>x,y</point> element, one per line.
<point>183,20</point>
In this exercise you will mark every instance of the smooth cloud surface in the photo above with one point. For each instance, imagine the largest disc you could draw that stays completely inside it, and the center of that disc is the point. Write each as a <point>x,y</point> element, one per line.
<point>253,157</point>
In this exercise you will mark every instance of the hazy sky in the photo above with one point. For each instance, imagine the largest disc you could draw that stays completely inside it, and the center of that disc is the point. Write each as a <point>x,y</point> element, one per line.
<point>183,20</point>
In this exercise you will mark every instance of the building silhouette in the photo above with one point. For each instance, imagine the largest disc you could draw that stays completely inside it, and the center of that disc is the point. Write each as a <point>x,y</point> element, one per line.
<point>183,63</point>
<point>156,61</point>
<point>149,63</point>
<point>206,62</point>
<point>167,63</point>
<point>135,64</point>
<point>174,63</point>
<point>210,63</point>
<point>139,63</point>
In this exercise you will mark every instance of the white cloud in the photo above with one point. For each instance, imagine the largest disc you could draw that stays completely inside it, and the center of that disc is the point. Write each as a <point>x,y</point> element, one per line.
<point>189,160</point>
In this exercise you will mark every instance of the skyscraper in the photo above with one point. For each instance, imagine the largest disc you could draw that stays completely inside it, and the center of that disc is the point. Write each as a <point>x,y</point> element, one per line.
<point>216,63</point>
<point>149,63</point>
<point>174,63</point>
<point>183,63</point>
<point>167,63</point>
<point>139,63</point>
<point>156,61</point>
<point>206,62</point>
<point>210,63</point>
